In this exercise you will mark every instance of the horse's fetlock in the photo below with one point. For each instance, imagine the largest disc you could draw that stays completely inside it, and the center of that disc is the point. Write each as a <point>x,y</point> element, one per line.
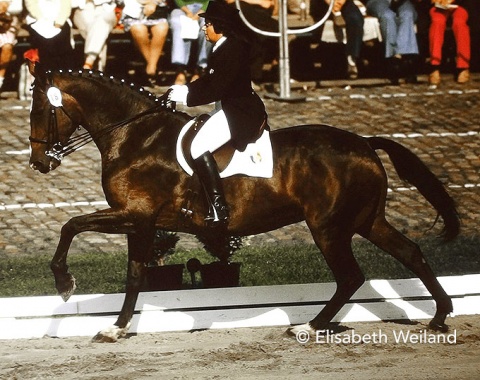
<point>445,305</point>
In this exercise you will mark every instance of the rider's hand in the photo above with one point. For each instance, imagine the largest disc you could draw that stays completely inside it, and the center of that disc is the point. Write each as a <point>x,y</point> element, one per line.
<point>178,93</point>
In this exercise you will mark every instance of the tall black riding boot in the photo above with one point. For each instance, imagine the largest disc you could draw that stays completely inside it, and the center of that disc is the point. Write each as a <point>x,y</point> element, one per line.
<point>207,170</point>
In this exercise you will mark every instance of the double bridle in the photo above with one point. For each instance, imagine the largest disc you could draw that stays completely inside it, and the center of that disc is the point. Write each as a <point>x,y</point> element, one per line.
<point>57,151</point>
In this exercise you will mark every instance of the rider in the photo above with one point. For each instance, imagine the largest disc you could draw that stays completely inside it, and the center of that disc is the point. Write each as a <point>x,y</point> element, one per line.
<point>239,112</point>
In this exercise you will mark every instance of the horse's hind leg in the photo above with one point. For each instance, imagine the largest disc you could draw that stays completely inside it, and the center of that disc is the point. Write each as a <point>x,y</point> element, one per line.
<point>337,250</point>
<point>386,237</point>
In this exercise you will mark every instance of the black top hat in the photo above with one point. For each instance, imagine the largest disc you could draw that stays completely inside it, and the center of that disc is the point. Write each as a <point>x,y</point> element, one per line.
<point>218,10</point>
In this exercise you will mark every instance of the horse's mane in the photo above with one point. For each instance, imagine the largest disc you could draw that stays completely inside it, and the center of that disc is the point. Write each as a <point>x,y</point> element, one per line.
<point>123,90</point>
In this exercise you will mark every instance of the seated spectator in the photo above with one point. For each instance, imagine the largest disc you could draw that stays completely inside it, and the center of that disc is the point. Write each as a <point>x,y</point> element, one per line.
<point>397,23</point>
<point>181,47</point>
<point>345,14</point>
<point>147,21</point>
<point>9,12</point>
<point>439,14</point>
<point>49,29</point>
<point>264,49</point>
<point>95,19</point>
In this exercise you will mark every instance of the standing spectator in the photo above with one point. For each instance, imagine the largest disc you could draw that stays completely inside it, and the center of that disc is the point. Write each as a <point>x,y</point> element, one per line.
<point>439,14</point>
<point>49,29</point>
<point>181,47</point>
<point>95,19</point>
<point>147,21</point>
<point>9,12</point>
<point>345,14</point>
<point>397,23</point>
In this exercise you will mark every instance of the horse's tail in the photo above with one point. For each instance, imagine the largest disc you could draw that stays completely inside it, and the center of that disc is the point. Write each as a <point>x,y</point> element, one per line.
<point>411,169</point>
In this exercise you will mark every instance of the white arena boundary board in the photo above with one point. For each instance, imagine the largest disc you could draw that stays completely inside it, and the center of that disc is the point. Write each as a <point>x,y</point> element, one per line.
<point>184,310</point>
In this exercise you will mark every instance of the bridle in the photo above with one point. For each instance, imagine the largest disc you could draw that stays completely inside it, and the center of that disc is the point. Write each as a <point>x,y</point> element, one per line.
<point>57,150</point>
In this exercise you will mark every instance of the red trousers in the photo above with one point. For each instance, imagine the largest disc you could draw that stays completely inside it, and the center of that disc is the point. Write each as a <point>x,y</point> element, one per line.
<point>461,32</point>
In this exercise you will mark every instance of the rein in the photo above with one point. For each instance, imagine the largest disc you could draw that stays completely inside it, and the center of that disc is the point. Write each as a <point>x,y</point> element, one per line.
<point>58,151</point>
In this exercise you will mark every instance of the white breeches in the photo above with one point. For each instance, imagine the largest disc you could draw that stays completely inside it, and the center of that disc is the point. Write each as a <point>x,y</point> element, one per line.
<point>212,135</point>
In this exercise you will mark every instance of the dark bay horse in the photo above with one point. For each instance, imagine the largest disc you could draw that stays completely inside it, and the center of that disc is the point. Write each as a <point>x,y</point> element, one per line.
<point>332,179</point>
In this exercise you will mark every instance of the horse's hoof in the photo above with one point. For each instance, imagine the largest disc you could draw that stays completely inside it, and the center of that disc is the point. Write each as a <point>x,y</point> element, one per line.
<point>301,332</point>
<point>437,325</point>
<point>67,288</point>
<point>111,334</point>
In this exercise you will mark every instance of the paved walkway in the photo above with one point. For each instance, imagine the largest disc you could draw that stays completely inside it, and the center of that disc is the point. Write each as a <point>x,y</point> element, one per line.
<point>441,126</point>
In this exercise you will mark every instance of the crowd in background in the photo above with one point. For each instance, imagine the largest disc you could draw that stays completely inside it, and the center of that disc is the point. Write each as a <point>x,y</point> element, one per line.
<point>412,31</point>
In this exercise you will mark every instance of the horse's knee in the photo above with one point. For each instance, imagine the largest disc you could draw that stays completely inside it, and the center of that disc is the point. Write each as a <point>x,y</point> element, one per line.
<point>69,228</point>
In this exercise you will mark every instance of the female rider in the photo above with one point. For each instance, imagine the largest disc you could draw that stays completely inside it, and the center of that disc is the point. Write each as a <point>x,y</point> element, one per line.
<point>239,112</point>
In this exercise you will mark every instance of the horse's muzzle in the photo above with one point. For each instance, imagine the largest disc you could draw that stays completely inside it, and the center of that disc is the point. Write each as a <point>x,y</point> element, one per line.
<point>37,165</point>
<point>44,167</point>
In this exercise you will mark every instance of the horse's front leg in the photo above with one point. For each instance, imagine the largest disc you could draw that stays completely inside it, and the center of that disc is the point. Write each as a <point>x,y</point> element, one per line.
<point>140,246</point>
<point>107,221</point>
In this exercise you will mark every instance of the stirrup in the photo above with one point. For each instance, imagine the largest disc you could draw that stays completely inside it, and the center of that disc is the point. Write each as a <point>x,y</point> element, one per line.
<point>217,212</point>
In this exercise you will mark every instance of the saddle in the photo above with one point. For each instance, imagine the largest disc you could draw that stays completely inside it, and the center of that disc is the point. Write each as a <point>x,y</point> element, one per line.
<point>256,160</point>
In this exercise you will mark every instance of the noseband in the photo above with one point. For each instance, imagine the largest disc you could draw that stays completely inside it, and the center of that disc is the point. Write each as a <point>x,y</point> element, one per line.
<point>57,151</point>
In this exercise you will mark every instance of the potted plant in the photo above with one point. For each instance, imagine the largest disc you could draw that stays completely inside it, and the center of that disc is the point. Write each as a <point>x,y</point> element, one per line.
<point>161,276</point>
<point>221,273</point>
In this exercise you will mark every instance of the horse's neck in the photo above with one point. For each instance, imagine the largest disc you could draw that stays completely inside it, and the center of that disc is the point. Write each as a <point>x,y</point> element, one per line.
<point>137,135</point>
<point>109,118</point>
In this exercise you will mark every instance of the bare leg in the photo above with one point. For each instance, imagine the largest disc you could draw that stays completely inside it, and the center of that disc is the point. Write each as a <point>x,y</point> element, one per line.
<point>159,36</point>
<point>6,55</point>
<point>141,38</point>
<point>150,48</point>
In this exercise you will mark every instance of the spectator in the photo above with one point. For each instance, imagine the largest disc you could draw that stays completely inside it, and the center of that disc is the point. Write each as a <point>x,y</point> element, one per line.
<point>397,23</point>
<point>49,29</point>
<point>181,47</point>
<point>345,14</point>
<point>473,10</point>
<point>439,14</point>
<point>9,12</point>
<point>264,49</point>
<point>147,21</point>
<point>95,19</point>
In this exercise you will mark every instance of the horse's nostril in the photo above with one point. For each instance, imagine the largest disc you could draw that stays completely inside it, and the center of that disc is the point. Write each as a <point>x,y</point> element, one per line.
<point>37,165</point>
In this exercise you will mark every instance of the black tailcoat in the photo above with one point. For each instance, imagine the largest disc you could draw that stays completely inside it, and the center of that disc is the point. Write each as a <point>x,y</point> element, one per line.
<point>228,80</point>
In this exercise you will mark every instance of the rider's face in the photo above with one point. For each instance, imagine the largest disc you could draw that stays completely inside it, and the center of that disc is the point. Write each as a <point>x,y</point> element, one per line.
<point>210,34</point>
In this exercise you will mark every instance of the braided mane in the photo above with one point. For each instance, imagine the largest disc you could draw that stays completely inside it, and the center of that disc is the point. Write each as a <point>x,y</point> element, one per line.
<point>99,75</point>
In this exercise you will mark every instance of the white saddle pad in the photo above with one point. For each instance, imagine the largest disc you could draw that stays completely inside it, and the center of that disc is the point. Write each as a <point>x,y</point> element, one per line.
<point>255,161</point>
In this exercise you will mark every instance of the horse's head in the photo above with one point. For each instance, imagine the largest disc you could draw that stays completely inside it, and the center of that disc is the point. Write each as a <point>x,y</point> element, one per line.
<point>63,101</point>
<point>54,116</point>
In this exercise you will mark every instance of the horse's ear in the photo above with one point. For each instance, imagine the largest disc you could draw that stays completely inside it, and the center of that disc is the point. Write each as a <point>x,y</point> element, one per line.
<point>31,56</point>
